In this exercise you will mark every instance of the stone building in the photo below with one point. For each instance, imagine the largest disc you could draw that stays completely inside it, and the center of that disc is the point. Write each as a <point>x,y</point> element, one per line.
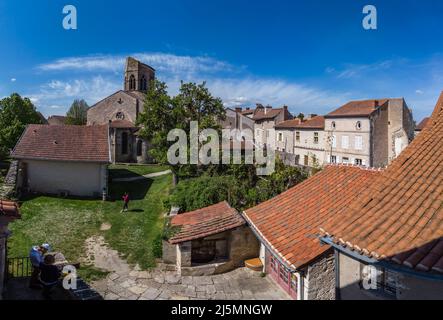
<point>210,240</point>
<point>368,133</point>
<point>265,119</point>
<point>309,142</point>
<point>121,109</point>
<point>287,228</point>
<point>389,241</point>
<point>236,120</point>
<point>63,160</point>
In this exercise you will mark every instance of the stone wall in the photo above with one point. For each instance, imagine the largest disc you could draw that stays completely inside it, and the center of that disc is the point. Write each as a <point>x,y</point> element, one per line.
<point>8,188</point>
<point>321,278</point>
<point>120,103</point>
<point>244,245</point>
<point>169,254</point>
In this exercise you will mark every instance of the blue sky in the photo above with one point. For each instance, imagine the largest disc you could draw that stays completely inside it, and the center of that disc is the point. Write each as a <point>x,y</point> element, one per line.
<point>310,55</point>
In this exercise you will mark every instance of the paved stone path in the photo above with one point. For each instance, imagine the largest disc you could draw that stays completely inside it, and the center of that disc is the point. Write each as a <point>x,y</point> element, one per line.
<point>240,284</point>
<point>130,283</point>
<point>151,175</point>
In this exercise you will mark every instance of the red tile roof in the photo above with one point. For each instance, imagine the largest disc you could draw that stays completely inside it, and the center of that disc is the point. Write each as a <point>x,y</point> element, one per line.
<point>363,108</point>
<point>399,217</point>
<point>63,143</point>
<point>204,222</point>
<point>9,209</point>
<point>290,222</point>
<point>288,124</point>
<point>314,123</point>
<point>422,124</point>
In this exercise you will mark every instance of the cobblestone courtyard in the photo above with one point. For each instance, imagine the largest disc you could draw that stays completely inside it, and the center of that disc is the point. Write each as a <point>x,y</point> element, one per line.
<point>239,284</point>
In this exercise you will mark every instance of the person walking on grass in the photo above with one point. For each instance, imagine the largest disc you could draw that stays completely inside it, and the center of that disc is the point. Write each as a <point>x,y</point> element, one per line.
<point>125,202</point>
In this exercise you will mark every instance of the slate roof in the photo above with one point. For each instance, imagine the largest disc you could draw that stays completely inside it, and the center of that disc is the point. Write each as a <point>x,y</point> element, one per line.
<point>362,108</point>
<point>289,223</point>
<point>268,113</point>
<point>399,217</point>
<point>9,209</point>
<point>64,143</point>
<point>204,222</point>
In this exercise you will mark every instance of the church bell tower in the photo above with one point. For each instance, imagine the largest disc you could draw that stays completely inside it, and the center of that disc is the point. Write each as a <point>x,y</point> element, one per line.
<point>137,75</point>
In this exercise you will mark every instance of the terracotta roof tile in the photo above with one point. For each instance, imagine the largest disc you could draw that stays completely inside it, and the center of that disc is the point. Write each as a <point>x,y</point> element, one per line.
<point>290,222</point>
<point>422,124</point>
<point>9,209</point>
<point>204,222</point>
<point>403,220</point>
<point>317,122</point>
<point>362,108</point>
<point>63,143</point>
<point>288,124</point>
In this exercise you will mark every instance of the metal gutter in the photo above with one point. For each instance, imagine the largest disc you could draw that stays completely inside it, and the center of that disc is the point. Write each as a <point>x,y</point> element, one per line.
<point>382,264</point>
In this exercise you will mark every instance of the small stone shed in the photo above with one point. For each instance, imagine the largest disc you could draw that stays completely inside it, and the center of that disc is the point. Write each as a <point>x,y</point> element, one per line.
<point>210,240</point>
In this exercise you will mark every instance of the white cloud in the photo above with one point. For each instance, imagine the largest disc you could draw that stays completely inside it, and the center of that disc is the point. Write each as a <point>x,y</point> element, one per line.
<point>13,79</point>
<point>58,94</point>
<point>420,92</point>
<point>358,70</point>
<point>163,62</point>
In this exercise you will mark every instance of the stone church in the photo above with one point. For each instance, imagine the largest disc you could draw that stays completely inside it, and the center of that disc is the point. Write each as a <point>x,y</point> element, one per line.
<point>121,109</point>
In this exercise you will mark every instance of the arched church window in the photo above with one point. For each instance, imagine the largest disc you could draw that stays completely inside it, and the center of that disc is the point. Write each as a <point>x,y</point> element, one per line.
<point>139,148</point>
<point>143,84</point>
<point>132,82</point>
<point>124,143</point>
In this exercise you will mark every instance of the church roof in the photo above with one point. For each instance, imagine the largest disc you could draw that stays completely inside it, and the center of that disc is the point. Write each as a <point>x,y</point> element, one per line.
<point>64,143</point>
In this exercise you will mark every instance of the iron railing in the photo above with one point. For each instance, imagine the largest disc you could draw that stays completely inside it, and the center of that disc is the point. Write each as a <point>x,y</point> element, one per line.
<point>20,267</point>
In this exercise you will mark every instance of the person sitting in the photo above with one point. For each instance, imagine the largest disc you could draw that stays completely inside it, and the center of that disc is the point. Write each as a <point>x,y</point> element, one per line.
<point>36,257</point>
<point>49,275</point>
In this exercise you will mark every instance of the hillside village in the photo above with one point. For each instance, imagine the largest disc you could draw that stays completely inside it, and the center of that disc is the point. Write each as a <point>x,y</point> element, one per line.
<point>365,194</point>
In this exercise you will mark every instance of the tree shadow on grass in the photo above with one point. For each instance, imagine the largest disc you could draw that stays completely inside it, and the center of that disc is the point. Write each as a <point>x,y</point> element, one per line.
<point>137,190</point>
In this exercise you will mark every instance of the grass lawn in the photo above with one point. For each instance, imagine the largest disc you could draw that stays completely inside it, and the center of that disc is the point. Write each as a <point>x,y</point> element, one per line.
<point>67,223</point>
<point>133,170</point>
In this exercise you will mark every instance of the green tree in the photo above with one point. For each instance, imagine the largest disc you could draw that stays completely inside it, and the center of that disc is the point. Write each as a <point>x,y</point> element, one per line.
<point>301,116</point>
<point>15,114</point>
<point>162,113</point>
<point>77,113</point>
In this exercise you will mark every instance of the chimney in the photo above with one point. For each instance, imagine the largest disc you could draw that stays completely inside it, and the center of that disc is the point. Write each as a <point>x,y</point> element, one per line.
<point>376,104</point>
<point>238,109</point>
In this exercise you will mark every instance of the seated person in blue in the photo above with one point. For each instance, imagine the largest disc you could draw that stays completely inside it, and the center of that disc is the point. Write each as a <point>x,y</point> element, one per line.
<point>49,275</point>
<point>36,256</point>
